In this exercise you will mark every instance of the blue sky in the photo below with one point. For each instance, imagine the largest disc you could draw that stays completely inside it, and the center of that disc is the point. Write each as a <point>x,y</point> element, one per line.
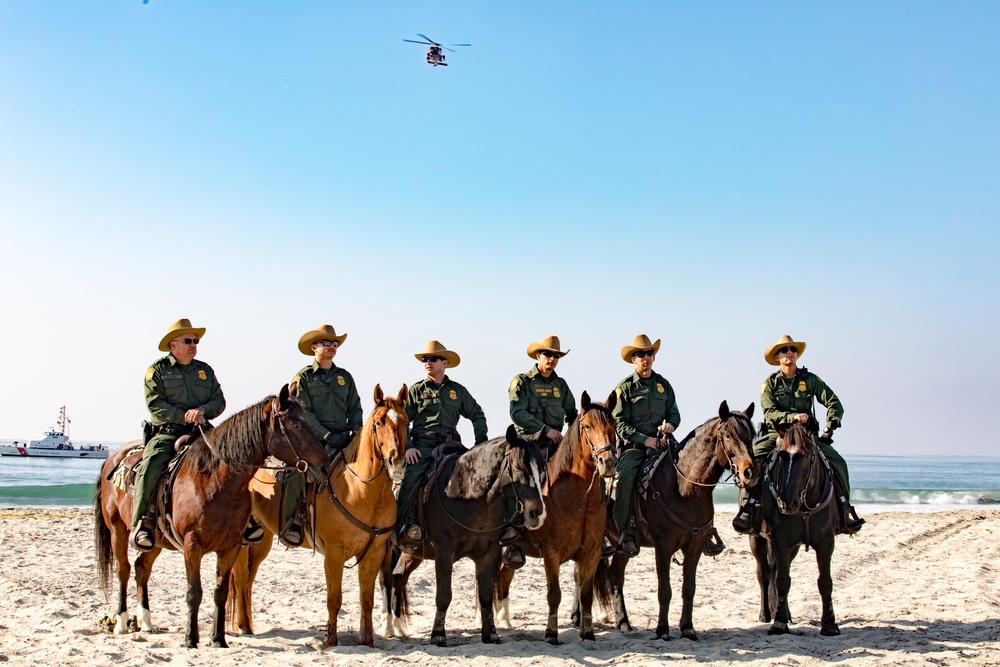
<point>711,174</point>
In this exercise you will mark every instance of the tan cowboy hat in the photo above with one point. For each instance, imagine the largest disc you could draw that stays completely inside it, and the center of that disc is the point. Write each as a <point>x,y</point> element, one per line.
<point>548,344</point>
<point>322,332</point>
<point>784,341</point>
<point>179,328</point>
<point>640,342</point>
<point>436,349</point>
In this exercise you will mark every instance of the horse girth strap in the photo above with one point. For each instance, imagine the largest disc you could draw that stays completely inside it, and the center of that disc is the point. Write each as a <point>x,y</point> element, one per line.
<point>694,530</point>
<point>372,531</point>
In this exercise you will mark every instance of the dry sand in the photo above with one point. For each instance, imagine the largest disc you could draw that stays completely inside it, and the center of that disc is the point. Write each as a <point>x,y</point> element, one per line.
<point>910,589</point>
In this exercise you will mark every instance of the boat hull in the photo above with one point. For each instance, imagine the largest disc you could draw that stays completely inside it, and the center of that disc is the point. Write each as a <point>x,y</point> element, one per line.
<point>53,453</point>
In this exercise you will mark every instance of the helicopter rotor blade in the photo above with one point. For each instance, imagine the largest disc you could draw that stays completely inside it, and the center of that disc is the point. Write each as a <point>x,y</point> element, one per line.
<point>458,44</point>
<point>428,39</point>
<point>447,49</point>
<point>413,41</point>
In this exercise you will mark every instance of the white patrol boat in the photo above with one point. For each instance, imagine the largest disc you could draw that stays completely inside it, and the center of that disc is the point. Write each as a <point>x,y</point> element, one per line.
<point>55,444</point>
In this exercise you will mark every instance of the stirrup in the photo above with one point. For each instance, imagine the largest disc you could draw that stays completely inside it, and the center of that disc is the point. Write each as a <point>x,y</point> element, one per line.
<point>629,547</point>
<point>253,533</point>
<point>292,535</point>
<point>142,538</point>
<point>713,545</point>
<point>513,557</point>
<point>850,522</point>
<point>510,536</point>
<point>743,521</point>
<point>413,533</point>
<point>607,548</point>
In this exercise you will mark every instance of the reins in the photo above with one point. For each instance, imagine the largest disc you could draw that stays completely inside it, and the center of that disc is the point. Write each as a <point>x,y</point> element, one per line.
<point>595,454</point>
<point>505,467</point>
<point>816,462</point>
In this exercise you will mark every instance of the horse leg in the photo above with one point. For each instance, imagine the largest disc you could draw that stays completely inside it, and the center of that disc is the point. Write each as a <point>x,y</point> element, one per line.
<point>691,558</point>
<point>442,568</point>
<point>554,597</point>
<point>223,570</point>
<point>192,566</point>
<point>781,582</point>
<point>385,583</point>
<point>333,565</point>
<point>758,547</point>
<point>367,571</point>
<point>486,568</point>
<point>505,577</point>
<point>616,575</point>
<point>119,546</point>
<point>143,568</point>
<point>824,555</point>
<point>584,598</point>
<point>400,578</point>
<point>663,592</point>
<point>243,576</point>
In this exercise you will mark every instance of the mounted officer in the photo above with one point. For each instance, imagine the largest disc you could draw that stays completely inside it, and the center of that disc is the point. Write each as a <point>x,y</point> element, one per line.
<point>433,406</point>
<point>332,409</point>
<point>182,395</point>
<point>787,397</point>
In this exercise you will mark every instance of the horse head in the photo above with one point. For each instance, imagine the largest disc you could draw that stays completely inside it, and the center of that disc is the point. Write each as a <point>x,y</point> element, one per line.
<point>597,430</point>
<point>524,463</point>
<point>291,439</point>
<point>792,468</point>
<point>735,445</point>
<point>389,428</point>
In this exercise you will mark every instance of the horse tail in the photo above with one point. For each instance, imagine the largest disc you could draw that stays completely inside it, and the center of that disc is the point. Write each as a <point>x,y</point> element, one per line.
<point>102,540</point>
<point>602,585</point>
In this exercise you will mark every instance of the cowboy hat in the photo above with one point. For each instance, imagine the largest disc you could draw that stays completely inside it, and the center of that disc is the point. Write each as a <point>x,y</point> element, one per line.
<point>548,344</point>
<point>179,328</point>
<point>322,332</point>
<point>436,349</point>
<point>640,342</point>
<point>784,341</point>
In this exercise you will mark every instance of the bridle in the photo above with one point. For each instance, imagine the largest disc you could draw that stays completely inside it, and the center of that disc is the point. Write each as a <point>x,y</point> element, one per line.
<point>595,453</point>
<point>720,445</point>
<point>804,509</point>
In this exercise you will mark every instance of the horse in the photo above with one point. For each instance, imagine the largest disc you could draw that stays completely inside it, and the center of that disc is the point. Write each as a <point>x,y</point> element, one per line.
<point>576,515</point>
<point>798,508</point>
<point>678,512</point>
<point>209,502</point>
<point>354,513</point>
<point>465,518</point>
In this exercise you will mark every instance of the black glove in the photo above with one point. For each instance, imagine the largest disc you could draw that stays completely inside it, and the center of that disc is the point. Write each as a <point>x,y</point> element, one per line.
<point>336,441</point>
<point>827,437</point>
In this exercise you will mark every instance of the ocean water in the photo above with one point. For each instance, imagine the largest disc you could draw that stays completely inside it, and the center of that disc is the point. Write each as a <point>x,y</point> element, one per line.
<point>879,483</point>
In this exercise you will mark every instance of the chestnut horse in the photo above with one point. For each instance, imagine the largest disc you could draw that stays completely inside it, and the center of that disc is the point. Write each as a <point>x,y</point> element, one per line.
<point>465,518</point>
<point>210,505</point>
<point>354,513</point>
<point>678,510</point>
<point>576,515</point>
<point>798,508</point>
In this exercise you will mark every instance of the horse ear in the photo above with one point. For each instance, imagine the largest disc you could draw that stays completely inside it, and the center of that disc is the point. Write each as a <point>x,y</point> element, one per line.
<point>724,411</point>
<point>749,411</point>
<point>402,396</point>
<point>585,402</point>
<point>283,398</point>
<point>511,435</point>
<point>379,397</point>
<point>293,390</point>
<point>612,400</point>
<point>782,429</point>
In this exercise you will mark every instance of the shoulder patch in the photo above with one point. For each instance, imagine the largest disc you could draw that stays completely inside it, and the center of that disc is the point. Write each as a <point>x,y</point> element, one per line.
<point>763,387</point>
<point>514,384</point>
<point>149,374</point>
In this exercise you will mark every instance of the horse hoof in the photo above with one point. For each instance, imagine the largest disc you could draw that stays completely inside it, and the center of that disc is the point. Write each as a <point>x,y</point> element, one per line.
<point>778,629</point>
<point>554,641</point>
<point>439,641</point>
<point>327,643</point>
<point>625,626</point>
<point>191,644</point>
<point>665,636</point>
<point>219,644</point>
<point>830,630</point>
<point>588,635</point>
<point>689,633</point>
<point>493,638</point>
<point>764,618</point>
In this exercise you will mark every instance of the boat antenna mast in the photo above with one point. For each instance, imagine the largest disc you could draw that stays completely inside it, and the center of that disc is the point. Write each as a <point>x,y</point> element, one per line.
<point>63,421</point>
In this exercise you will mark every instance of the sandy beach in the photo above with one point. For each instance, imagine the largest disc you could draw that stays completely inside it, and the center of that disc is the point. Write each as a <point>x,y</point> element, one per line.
<point>910,589</point>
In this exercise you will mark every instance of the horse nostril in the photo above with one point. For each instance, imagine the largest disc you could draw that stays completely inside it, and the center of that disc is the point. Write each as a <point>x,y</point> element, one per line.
<point>747,473</point>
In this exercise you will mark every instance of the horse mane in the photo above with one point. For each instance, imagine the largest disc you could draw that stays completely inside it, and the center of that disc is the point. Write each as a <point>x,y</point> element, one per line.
<point>797,439</point>
<point>238,441</point>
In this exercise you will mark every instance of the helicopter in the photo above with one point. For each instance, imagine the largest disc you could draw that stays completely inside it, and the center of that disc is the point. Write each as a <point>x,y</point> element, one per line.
<point>434,52</point>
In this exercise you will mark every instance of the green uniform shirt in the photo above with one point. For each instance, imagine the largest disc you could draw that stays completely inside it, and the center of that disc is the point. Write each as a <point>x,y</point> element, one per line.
<point>537,402</point>
<point>330,399</point>
<point>782,399</point>
<point>172,389</point>
<point>436,408</point>
<point>643,405</point>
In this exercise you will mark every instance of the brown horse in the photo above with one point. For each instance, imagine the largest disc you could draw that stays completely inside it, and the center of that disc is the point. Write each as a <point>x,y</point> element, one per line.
<point>210,505</point>
<point>576,514</point>
<point>678,510</point>
<point>798,509</point>
<point>354,513</point>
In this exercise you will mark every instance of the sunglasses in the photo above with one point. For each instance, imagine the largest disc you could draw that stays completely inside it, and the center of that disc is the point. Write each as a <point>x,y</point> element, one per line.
<point>431,360</point>
<point>327,343</point>
<point>643,353</point>
<point>790,348</point>
<point>553,355</point>
<point>189,341</point>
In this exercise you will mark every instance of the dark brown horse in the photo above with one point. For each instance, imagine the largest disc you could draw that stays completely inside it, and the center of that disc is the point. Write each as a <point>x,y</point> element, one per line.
<point>798,509</point>
<point>210,505</point>
<point>354,513</point>
<point>678,511</point>
<point>465,518</point>
<point>575,514</point>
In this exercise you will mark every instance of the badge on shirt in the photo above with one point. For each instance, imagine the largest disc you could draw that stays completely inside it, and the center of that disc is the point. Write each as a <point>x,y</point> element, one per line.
<point>340,380</point>
<point>802,385</point>
<point>555,392</point>
<point>452,395</point>
<point>202,375</point>
<point>659,388</point>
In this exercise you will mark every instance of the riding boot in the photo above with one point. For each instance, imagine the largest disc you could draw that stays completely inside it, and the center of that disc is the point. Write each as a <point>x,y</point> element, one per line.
<point>748,520</point>
<point>144,535</point>
<point>849,522</point>
<point>512,555</point>
<point>628,545</point>
<point>292,533</point>
<point>253,533</point>
<point>713,545</point>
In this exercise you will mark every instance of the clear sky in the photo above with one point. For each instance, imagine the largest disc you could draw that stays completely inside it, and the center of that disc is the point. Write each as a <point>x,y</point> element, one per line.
<point>710,174</point>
